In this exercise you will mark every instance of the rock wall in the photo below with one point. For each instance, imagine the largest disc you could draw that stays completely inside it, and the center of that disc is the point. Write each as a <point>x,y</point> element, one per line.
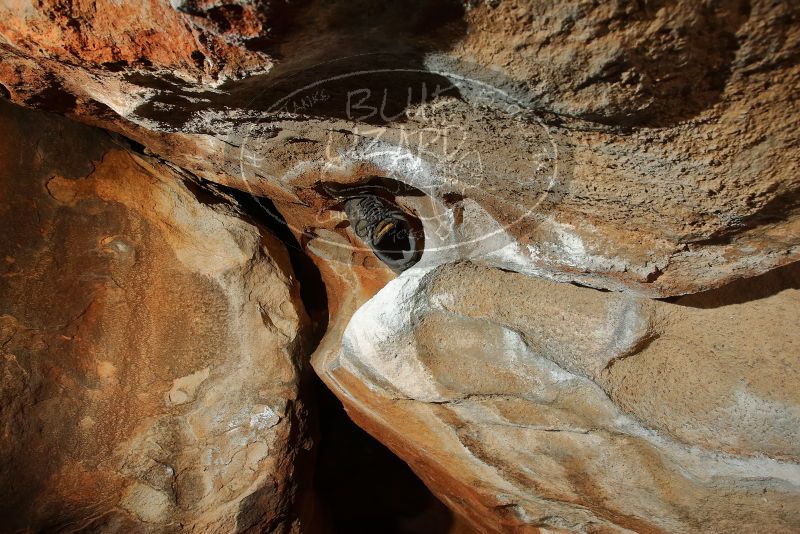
<point>583,411</point>
<point>600,334</point>
<point>668,166</point>
<point>151,346</point>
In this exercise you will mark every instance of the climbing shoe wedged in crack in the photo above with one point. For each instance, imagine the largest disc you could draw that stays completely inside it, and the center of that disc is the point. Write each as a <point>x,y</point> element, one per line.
<point>386,228</point>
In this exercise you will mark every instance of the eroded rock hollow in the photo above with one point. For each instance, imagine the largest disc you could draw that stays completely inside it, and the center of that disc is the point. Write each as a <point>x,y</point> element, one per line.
<point>544,252</point>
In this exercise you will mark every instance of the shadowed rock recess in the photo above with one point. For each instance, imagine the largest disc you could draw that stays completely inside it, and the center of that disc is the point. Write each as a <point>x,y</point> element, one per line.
<point>543,252</point>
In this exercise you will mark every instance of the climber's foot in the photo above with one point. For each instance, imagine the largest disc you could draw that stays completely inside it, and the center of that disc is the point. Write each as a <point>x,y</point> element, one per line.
<point>385,228</point>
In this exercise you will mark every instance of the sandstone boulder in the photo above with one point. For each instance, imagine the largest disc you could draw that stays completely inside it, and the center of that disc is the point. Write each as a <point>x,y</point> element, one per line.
<point>151,346</point>
<point>527,404</point>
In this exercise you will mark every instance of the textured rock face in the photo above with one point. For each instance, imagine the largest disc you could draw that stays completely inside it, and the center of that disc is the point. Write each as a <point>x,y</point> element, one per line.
<point>151,346</point>
<point>195,40</point>
<point>608,155</point>
<point>669,144</point>
<point>579,410</point>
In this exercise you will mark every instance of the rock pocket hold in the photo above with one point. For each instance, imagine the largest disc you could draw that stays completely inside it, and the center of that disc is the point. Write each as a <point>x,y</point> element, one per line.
<point>386,228</point>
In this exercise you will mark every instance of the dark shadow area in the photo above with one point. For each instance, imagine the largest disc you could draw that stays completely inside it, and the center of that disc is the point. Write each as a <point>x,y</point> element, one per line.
<point>53,98</point>
<point>384,42</point>
<point>395,242</point>
<point>370,88</point>
<point>386,187</point>
<point>363,487</point>
<point>360,485</point>
<point>372,53</point>
<point>745,290</point>
<point>38,413</point>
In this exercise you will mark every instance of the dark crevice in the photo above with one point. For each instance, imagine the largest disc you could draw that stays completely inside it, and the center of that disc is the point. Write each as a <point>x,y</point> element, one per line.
<point>388,188</point>
<point>362,486</point>
<point>781,208</point>
<point>130,144</point>
<point>359,485</point>
<point>586,286</point>
<point>53,98</point>
<point>206,193</point>
<point>115,66</point>
<point>744,290</point>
